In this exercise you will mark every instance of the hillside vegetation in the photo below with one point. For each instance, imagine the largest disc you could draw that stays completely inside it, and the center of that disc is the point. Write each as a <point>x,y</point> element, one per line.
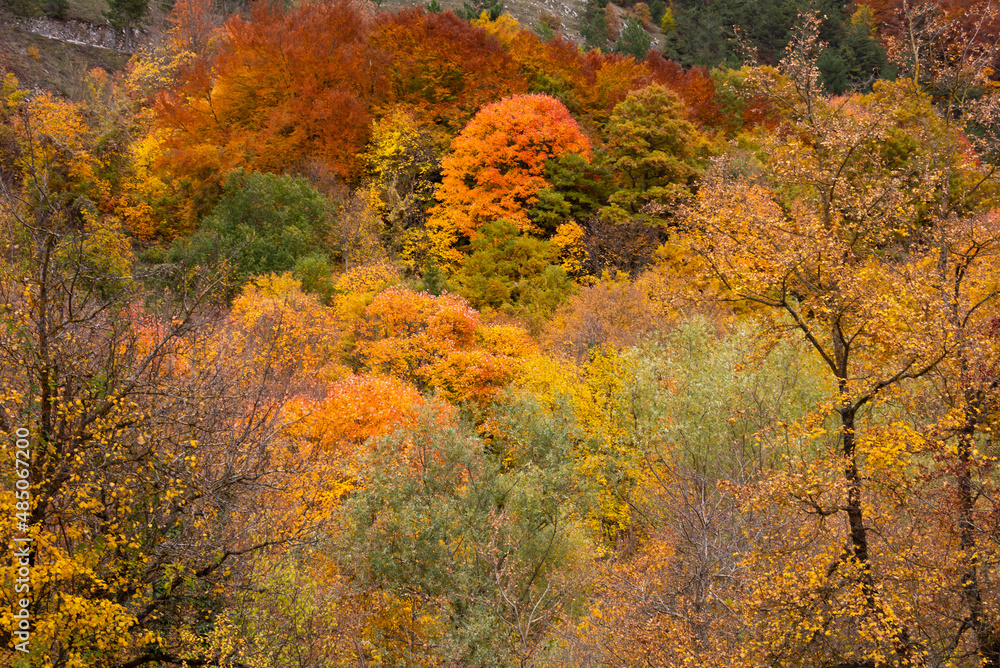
<point>335,334</point>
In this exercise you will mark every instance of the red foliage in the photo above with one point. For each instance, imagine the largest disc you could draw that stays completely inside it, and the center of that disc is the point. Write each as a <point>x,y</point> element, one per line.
<point>694,86</point>
<point>281,87</point>
<point>442,67</point>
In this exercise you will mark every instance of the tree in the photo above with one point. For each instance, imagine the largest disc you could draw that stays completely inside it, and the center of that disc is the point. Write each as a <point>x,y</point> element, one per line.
<point>287,328</point>
<point>654,153</point>
<point>493,9</point>
<point>614,312</point>
<point>147,431</point>
<point>634,40</point>
<point>127,15</point>
<point>671,595</point>
<point>497,167</point>
<point>576,190</point>
<point>282,88</point>
<point>443,68</point>
<point>846,234</point>
<point>482,545</point>
<point>262,224</point>
<point>512,272</point>
<point>595,26</point>
<point>437,343</point>
<point>404,166</point>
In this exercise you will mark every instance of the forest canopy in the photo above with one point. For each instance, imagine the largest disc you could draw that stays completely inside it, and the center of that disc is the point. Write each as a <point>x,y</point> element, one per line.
<point>342,335</point>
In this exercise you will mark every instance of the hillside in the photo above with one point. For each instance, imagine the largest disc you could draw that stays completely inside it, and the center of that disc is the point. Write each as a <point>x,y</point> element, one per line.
<point>338,338</point>
<point>526,12</point>
<point>57,64</point>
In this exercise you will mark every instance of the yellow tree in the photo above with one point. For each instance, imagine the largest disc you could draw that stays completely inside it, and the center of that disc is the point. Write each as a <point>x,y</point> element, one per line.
<point>842,233</point>
<point>144,436</point>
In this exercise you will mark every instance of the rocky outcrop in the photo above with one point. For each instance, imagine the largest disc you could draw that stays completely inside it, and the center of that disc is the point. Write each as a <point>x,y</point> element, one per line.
<point>87,34</point>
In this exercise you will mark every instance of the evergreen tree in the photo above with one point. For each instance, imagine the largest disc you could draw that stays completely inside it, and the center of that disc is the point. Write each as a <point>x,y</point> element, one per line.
<point>471,11</point>
<point>634,40</point>
<point>125,15</point>
<point>595,26</point>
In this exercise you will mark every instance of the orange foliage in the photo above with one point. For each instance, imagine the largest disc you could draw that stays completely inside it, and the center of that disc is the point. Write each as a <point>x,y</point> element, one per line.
<point>193,25</point>
<point>354,409</point>
<point>887,13</point>
<point>694,86</point>
<point>438,343</point>
<point>614,77</point>
<point>282,87</point>
<point>554,66</point>
<point>498,166</point>
<point>278,87</point>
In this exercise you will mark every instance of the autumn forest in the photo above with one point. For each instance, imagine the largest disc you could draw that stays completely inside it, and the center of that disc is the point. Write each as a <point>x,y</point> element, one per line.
<point>339,334</point>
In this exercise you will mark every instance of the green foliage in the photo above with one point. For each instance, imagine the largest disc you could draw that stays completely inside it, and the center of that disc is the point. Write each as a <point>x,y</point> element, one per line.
<point>706,35</point>
<point>653,152</point>
<point>434,281</point>
<point>471,11</point>
<point>26,8</point>
<point>125,14</point>
<point>482,535</point>
<point>544,31</point>
<point>434,7</point>
<point>57,9</point>
<point>262,224</point>
<point>513,272</point>
<point>658,11</point>
<point>634,40</point>
<point>833,71</point>
<point>858,61</point>
<point>316,274</point>
<point>595,26</point>
<point>728,412</point>
<point>577,189</point>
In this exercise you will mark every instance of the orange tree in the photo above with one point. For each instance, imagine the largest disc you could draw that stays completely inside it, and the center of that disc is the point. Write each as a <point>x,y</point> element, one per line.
<point>437,343</point>
<point>497,167</point>
<point>280,88</point>
<point>443,68</point>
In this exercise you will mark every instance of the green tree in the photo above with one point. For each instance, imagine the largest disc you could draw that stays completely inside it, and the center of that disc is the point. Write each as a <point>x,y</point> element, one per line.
<point>654,153</point>
<point>482,540</point>
<point>595,26</point>
<point>472,11</point>
<point>127,15</point>
<point>634,40</point>
<point>578,188</point>
<point>512,271</point>
<point>262,224</point>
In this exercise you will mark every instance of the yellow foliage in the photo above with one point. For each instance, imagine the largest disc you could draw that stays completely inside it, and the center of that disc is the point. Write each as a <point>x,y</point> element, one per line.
<point>356,288</point>
<point>506,28</point>
<point>303,333</point>
<point>107,248</point>
<point>569,239</point>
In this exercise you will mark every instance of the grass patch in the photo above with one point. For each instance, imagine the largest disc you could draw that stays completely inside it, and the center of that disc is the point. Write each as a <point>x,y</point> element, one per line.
<point>40,62</point>
<point>91,11</point>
